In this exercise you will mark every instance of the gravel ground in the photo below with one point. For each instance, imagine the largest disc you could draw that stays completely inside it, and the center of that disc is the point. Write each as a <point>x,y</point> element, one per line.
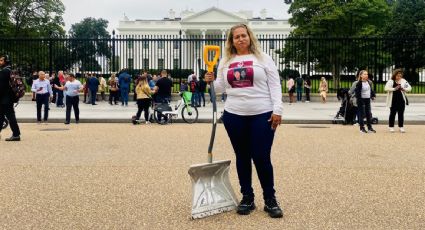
<point>120,176</point>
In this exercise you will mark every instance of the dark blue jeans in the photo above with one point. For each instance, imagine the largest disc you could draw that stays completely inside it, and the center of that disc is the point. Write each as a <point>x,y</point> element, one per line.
<point>201,98</point>
<point>252,139</point>
<point>93,94</point>
<point>364,111</point>
<point>42,99</point>
<point>59,101</point>
<point>195,99</point>
<point>72,102</point>
<point>124,95</point>
<point>299,94</point>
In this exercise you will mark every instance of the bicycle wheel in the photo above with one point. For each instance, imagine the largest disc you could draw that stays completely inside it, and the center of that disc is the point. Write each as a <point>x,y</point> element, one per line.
<point>190,115</point>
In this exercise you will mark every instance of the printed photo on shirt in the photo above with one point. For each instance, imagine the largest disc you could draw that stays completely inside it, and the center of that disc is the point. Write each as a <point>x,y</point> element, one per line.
<point>241,74</point>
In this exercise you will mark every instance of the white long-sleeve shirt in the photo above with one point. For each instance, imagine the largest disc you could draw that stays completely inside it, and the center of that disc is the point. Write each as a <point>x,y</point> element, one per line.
<point>37,84</point>
<point>253,86</point>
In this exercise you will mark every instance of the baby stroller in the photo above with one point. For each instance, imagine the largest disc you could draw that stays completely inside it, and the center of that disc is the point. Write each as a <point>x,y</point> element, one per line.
<point>347,112</point>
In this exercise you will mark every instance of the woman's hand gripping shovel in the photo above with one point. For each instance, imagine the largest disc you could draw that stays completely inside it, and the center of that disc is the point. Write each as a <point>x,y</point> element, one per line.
<point>212,191</point>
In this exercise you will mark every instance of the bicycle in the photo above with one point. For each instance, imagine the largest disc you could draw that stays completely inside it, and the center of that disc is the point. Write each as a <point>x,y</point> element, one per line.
<point>188,112</point>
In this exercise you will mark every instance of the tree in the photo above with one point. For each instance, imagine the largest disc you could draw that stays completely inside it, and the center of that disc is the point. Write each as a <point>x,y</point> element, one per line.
<point>31,18</point>
<point>89,42</point>
<point>407,26</point>
<point>331,18</point>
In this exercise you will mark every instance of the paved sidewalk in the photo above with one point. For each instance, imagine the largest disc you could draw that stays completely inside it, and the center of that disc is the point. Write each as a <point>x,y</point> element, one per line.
<point>121,176</point>
<point>309,113</point>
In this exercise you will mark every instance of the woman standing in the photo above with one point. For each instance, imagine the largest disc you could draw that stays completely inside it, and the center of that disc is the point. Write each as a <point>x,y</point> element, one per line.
<point>364,93</point>
<point>143,97</point>
<point>113,89</point>
<point>102,87</point>
<point>72,90</point>
<point>323,89</point>
<point>397,87</point>
<point>252,113</point>
<point>290,85</point>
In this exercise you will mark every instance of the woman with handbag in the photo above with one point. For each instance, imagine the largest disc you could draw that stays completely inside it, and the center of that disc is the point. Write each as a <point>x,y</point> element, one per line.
<point>397,87</point>
<point>113,89</point>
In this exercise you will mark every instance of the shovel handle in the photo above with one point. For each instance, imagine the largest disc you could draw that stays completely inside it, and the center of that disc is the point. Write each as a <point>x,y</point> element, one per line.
<point>214,123</point>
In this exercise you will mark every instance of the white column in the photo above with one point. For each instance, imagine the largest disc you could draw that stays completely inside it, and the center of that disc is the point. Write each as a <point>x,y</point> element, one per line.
<point>201,50</point>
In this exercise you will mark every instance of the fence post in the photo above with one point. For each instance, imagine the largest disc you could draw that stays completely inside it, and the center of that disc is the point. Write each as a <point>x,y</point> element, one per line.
<point>375,64</point>
<point>50,54</point>
<point>113,51</point>
<point>308,56</point>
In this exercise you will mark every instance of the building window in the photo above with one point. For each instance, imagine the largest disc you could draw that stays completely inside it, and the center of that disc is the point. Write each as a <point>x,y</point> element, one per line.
<point>130,45</point>
<point>161,44</point>
<point>130,63</point>
<point>176,45</point>
<point>145,63</point>
<point>160,64</point>
<point>272,44</point>
<point>145,44</point>
<point>176,63</point>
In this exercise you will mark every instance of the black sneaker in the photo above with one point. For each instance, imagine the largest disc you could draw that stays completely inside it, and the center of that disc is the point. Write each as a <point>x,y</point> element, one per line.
<point>272,208</point>
<point>371,130</point>
<point>363,130</point>
<point>12,138</point>
<point>246,205</point>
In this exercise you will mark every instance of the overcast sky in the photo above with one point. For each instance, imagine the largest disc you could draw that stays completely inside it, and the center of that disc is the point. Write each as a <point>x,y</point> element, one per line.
<point>114,10</point>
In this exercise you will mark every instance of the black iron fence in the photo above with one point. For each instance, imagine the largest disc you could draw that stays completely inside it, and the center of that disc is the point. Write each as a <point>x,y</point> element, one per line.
<point>336,59</point>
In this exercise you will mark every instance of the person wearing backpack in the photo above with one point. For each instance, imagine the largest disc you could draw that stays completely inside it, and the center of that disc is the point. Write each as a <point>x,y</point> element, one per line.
<point>194,88</point>
<point>6,99</point>
<point>202,89</point>
<point>124,80</point>
<point>299,83</point>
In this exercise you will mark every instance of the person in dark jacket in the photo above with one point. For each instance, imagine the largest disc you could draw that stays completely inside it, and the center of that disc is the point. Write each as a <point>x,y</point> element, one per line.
<point>202,90</point>
<point>364,93</point>
<point>93,87</point>
<point>6,102</point>
<point>124,80</point>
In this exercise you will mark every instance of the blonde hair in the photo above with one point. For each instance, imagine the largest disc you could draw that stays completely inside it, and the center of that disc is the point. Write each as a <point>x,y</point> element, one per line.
<point>143,84</point>
<point>360,74</point>
<point>254,46</point>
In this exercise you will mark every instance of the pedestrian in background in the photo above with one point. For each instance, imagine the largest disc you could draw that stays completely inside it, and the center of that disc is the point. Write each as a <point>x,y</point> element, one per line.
<point>113,89</point>
<point>93,88</point>
<point>43,91</point>
<point>290,85</point>
<point>396,88</point>
<point>323,89</point>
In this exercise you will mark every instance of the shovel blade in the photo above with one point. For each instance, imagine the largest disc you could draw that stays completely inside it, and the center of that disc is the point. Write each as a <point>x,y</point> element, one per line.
<point>212,191</point>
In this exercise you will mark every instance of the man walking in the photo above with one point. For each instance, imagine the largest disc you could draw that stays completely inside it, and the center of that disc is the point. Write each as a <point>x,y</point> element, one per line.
<point>6,102</point>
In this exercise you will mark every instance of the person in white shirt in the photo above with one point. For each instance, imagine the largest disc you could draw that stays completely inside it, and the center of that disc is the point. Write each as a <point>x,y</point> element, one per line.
<point>397,100</point>
<point>252,112</point>
<point>43,90</point>
<point>72,89</point>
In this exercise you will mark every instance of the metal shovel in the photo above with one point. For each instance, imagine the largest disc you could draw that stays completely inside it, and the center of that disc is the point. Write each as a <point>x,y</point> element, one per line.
<point>212,191</point>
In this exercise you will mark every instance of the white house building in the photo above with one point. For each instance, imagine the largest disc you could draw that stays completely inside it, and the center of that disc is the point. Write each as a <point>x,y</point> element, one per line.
<point>147,52</point>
